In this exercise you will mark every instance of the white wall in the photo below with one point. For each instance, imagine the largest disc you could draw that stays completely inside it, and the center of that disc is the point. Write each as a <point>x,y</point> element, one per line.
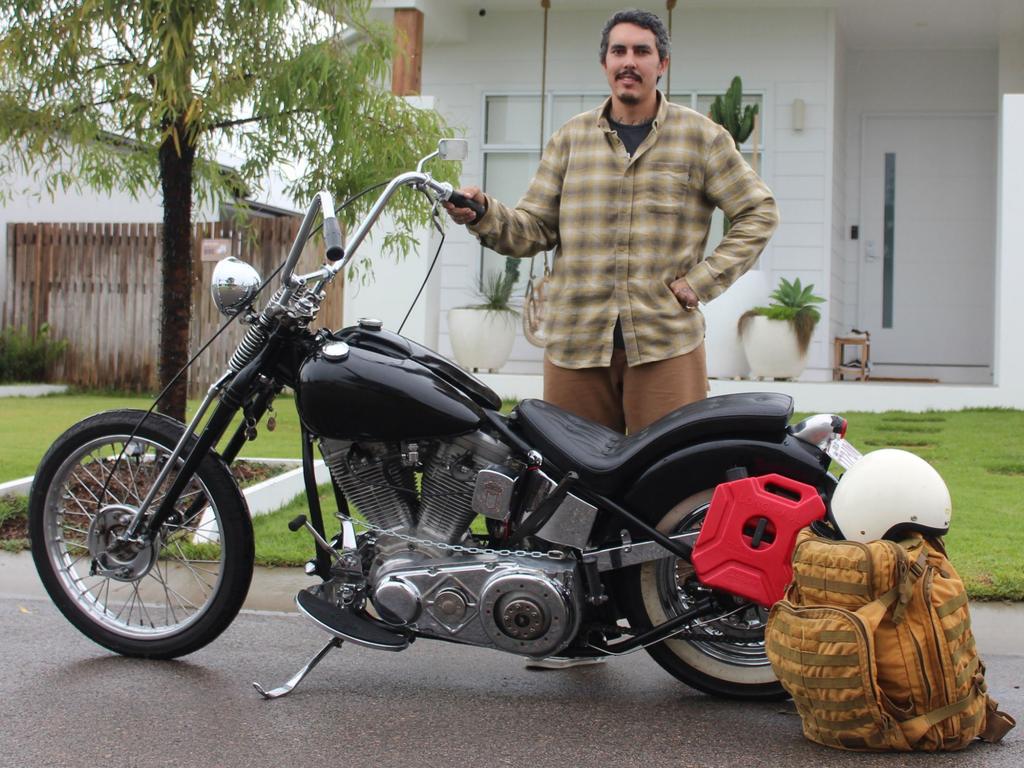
<point>782,53</point>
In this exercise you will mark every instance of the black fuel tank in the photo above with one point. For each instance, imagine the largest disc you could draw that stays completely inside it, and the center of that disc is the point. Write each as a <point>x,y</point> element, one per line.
<point>360,394</point>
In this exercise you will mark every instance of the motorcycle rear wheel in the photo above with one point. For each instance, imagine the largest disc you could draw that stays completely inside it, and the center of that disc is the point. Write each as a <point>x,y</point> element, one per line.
<point>171,598</point>
<point>732,662</point>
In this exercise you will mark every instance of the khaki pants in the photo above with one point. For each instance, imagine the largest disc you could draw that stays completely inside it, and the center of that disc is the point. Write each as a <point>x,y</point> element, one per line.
<point>624,398</point>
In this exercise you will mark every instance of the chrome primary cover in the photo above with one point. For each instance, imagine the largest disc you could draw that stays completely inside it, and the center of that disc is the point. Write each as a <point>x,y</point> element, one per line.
<point>524,606</point>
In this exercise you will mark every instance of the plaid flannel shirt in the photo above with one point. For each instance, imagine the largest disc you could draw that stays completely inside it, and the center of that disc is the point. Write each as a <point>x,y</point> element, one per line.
<point>626,227</point>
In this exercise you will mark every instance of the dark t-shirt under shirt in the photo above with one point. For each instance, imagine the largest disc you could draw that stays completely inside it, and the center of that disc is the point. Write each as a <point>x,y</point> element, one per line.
<point>631,136</point>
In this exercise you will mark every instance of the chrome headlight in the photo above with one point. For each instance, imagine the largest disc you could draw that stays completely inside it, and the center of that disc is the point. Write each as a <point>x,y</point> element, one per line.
<point>234,284</point>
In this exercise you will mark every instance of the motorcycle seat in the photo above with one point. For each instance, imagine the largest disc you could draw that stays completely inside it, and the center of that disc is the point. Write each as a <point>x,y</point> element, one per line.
<point>606,460</point>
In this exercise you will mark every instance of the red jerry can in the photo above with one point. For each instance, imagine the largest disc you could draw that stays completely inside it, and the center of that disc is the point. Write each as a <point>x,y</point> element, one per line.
<point>747,539</point>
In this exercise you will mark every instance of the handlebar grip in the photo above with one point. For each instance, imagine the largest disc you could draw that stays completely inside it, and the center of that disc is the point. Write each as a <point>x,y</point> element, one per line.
<point>332,236</point>
<point>461,201</point>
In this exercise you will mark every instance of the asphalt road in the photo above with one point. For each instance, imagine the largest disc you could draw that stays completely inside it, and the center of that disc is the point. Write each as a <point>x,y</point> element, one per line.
<point>67,702</point>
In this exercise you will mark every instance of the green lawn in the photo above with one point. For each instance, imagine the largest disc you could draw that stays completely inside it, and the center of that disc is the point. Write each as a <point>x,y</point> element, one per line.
<point>978,452</point>
<point>28,425</point>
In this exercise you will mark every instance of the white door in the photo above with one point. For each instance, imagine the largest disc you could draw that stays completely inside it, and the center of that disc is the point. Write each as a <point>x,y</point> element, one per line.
<point>928,228</point>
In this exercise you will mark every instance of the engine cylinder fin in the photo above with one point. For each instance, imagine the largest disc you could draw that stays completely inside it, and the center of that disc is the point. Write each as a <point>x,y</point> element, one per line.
<point>446,509</point>
<point>369,483</point>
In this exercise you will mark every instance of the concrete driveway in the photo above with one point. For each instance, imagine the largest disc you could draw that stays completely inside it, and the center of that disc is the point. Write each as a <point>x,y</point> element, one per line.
<point>65,701</point>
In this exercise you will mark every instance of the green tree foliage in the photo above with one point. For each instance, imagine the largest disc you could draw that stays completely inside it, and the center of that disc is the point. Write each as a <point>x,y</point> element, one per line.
<point>136,94</point>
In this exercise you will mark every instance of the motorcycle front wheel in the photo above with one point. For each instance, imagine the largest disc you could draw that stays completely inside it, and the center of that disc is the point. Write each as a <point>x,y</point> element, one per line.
<point>161,600</point>
<point>727,658</point>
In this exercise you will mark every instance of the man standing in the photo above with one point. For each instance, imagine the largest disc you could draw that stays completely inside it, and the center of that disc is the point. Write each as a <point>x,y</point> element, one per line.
<point>625,193</point>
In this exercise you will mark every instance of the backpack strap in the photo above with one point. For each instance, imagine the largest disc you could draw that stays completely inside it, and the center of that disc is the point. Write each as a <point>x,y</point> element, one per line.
<point>899,595</point>
<point>915,728</point>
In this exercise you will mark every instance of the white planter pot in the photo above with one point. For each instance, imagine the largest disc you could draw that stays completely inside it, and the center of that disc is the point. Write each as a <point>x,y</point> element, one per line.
<point>481,339</point>
<point>771,349</point>
<point>722,345</point>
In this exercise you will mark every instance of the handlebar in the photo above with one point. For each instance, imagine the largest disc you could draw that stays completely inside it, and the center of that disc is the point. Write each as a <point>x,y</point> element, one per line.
<point>332,235</point>
<point>339,256</point>
<point>461,201</point>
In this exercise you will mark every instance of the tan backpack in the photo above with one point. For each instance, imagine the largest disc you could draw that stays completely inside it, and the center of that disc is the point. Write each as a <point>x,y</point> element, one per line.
<point>874,644</point>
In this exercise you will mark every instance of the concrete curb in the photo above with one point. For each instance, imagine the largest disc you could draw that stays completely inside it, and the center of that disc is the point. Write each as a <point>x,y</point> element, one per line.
<point>262,498</point>
<point>32,390</point>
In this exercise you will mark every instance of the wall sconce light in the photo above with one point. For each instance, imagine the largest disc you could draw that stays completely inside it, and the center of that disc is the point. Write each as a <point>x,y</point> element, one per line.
<point>799,113</point>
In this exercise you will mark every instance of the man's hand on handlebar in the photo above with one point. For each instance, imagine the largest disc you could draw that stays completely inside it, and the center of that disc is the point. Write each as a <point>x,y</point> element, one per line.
<point>462,214</point>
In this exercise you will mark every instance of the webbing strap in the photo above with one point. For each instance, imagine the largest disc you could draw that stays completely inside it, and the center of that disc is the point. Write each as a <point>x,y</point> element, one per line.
<point>780,625</point>
<point>872,613</point>
<point>967,647</point>
<point>951,605</point>
<point>829,585</point>
<point>804,658</point>
<point>842,705</point>
<point>956,631</point>
<point>843,725</point>
<point>906,585</point>
<point>967,672</point>
<point>915,728</point>
<point>799,681</point>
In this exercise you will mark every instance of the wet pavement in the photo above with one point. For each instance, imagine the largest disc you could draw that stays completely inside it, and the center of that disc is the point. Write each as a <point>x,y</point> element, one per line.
<point>66,701</point>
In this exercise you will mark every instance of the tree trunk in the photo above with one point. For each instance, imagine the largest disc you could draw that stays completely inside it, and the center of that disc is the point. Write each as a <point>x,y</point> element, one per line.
<point>176,270</point>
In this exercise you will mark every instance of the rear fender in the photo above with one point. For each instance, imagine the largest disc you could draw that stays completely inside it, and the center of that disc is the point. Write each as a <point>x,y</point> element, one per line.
<point>702,466</point>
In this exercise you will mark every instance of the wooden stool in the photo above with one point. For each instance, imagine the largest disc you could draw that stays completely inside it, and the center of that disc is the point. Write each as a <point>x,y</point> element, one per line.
<point>840,368</point>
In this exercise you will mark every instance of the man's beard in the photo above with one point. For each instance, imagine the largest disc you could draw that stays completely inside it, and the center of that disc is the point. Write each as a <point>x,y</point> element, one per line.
<point>629,97</point>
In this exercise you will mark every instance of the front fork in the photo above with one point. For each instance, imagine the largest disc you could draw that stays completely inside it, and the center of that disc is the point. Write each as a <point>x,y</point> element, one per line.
<point>233,393</point>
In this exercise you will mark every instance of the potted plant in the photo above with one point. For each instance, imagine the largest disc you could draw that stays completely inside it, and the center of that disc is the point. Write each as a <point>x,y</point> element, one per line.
<point>482,334</point>
<point>775,338</point>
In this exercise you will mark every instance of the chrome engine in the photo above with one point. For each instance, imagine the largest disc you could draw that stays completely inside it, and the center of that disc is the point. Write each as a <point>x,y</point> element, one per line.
<point>522,605</point>
<point>378,479</point>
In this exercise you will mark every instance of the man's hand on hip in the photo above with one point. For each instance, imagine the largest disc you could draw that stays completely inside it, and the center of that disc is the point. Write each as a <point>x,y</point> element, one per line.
<point>466,215</point>
<point>683,292</point>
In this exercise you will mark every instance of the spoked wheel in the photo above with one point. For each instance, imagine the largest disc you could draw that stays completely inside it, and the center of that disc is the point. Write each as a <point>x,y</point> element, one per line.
<point>729,657</point>
<point>160,599</point>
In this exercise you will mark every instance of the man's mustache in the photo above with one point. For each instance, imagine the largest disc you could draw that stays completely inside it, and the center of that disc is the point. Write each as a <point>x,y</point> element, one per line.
<point>630,72</point>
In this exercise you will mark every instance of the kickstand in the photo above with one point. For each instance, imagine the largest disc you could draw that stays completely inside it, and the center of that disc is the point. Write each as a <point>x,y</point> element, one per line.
<point>284,690</point>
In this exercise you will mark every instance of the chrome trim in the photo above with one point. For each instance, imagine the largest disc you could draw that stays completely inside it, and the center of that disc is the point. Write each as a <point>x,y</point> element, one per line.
<point>294,680</point>
<point>133,528</point>
<point>571,523</point>
<point>632,554</point>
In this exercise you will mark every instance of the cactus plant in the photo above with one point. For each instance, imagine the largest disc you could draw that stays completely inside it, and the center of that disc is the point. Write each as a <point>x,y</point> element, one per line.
<point>729,112</point>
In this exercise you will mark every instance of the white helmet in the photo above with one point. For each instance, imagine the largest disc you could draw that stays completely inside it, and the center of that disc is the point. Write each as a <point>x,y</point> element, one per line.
<point>888,493</point>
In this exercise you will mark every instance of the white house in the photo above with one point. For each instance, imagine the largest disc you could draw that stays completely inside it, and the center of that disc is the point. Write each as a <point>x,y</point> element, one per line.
<point>898,116</point>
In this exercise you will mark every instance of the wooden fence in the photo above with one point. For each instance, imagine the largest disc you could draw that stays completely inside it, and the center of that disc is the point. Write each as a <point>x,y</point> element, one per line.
<point>98,287</point>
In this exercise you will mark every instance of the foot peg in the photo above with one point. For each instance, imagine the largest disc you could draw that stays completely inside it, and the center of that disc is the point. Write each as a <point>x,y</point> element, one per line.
<point>284,690</point>
<point>348,625</point>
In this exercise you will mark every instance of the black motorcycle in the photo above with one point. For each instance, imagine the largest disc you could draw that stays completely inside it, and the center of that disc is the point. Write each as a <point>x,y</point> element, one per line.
<point>597,544</point>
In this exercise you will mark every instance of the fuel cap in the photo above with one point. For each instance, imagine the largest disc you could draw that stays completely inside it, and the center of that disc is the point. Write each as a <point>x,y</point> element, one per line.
<point>370,323</point>
<point>334,350</point>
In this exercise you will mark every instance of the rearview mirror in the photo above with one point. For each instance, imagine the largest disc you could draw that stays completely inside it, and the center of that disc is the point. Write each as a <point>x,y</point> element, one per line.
<point>453,149</point>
